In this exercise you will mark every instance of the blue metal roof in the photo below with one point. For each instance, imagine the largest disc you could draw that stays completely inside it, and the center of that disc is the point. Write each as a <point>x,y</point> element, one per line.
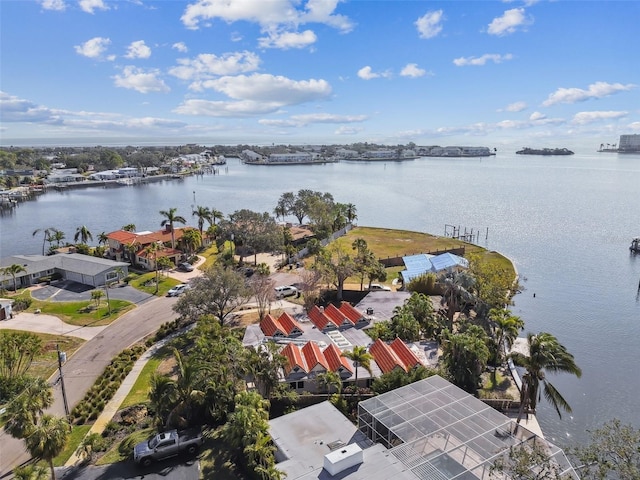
<point>422,263</point>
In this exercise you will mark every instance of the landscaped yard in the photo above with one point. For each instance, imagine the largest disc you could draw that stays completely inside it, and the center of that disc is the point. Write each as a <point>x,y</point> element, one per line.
<point>147,283</point>
<point>84,313</point>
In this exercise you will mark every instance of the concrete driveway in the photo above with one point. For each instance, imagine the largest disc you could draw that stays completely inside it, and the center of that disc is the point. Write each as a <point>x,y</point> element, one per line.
<point>41,323</point>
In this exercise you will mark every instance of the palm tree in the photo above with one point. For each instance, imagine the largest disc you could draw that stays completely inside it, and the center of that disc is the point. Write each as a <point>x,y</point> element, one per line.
<point>162,397</point>
<point>170,219</point>
<point>351,212</point>
<point>330,379</point>
<point>56,236</point>
<point>505,328</point>
<point>191,240</point>
<point>216,215</point>
<point>545,354</point>
<point>203,213</point>
<point>360,358</point>
<point>129,227</point>
<point>153,249</point>
<point>13,270</point>
<point>103,239</point>
<point>83,234</point>
<point>46,235</point>
<point>188,396</point>
<point>48,439</point>
<point>24,410</point>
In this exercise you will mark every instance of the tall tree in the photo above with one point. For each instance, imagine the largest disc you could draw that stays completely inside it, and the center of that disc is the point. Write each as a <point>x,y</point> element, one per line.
<point>152,249</point>
<point>25,410</point>
<point>465,355</point>
<point>203,214</point>
<point>14,270</point>
<point>216,292</point>
<point>351,212</point>
<point>504,329</point>
<point>189,396</point>
<point>360,358</point>
<point>17,351</point>
<point>83,234</point>
<point>46,232</point>
<point>546,353</point>
<point>103,238</point>
<point>335,265</point>
<point>191,240</point>
<point>129,227</point>
<point>216,215</point>
<point>329,380</point>
<point>57,236</point>
<point>170,218</point>
<point>48,439</point>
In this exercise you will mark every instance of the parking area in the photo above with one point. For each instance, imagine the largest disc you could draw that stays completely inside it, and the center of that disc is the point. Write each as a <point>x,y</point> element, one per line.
<point>65,291</point>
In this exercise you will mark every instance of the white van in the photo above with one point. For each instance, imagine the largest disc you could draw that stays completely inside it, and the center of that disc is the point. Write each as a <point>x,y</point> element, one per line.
<point>286,291</point>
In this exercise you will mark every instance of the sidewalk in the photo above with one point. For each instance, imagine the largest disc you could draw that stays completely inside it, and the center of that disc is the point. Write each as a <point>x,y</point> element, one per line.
<point>114,404</point>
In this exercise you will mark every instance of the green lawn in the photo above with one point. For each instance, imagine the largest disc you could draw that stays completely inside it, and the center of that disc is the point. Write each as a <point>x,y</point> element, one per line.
<point>85,313</point>
<point>75,439</point>
<point>146,283</point>
<point>114,454</point>
<point>140,391</point>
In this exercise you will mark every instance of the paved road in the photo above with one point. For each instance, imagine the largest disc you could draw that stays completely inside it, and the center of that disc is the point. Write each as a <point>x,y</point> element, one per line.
<point>173,468</point>
<point>84,367</point>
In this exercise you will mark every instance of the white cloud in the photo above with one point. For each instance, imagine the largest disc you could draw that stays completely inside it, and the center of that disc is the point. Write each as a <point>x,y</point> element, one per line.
<point>516,107</point>
<point>93,48</point>
<point>412,70</point>
<point>583,118</point>
<point>14,109</point>
<point>479,61</point>
<point>429,25</point>
<point>287,40</point>
<point>138,49</point>
<point>595,90</point>
<point>180,46</point>
<point>634,126</point>
<point>366,73</point>
<point>270,88</point>
<point>209,108</point>
<point>207,65</point>
<point>268,14</point>
<point>328,118</point>
<point>537,116</point>
<point>134,78</point>
<point>509,22</point>
<point>58,5</point>
<point>278,123</point>
<point>90,6</point>
<point>347,130</point>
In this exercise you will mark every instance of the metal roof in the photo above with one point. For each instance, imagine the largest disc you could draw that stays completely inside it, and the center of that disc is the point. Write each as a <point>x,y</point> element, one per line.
<point>438,431</point>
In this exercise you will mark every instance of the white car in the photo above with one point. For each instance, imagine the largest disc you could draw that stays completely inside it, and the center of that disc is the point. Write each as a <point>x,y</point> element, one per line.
<point>178,290</point>
<point>286,291</point>
<point>377,287</point>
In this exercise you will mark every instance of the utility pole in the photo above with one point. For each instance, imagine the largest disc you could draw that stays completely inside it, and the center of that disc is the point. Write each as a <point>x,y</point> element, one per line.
<point>62,356</point>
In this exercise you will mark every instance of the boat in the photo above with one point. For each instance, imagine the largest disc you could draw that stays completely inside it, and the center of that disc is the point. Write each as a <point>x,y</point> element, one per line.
<point>544,151</point>
<point>635,245</point>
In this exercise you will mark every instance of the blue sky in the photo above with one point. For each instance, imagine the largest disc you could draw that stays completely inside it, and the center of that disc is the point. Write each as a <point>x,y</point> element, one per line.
<point>537,73</point>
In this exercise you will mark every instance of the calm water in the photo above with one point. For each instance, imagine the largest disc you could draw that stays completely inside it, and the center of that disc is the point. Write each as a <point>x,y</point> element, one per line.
<point>566,222</point>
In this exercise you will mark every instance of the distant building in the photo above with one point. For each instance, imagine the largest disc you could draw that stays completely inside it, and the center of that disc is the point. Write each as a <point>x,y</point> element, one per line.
<point>629,144</point>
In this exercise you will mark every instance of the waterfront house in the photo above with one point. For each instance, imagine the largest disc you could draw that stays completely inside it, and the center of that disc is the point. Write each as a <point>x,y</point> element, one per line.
<point>423,263</point>
<point>75,267</point>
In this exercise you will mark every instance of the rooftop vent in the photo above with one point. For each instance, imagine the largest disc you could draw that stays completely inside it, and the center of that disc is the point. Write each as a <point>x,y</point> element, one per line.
<point>343,458</point>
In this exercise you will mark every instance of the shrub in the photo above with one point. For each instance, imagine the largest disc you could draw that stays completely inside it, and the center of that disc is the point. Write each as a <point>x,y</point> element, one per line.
<point>22,303</point>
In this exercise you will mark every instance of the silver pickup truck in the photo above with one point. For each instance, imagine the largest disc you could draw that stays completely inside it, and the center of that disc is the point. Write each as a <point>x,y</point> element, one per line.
<point>167,444</point>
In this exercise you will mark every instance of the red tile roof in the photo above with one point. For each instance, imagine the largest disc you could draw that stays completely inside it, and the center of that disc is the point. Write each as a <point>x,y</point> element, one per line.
<point>335,360</point>
<point>385,357</point>
<point>164,252</point>
<point>288,323</point>
<point>320,319</point>
<point>270,326</point>
<point>313,356</point>
<point>350,312</point>
<point>404,353</point>
<point>122,236</point>
<point>337,316</point>
<point>294,358</point>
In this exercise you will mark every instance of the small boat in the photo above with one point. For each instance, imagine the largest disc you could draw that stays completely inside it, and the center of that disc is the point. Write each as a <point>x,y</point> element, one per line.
<point>635,245</point>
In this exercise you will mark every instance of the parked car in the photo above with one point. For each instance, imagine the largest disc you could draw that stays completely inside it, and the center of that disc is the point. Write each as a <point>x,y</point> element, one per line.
<point>178,290</point>
<point>286,291</point>
<point>377,287</point>
<point>167,444</point>
<point>185,267</point>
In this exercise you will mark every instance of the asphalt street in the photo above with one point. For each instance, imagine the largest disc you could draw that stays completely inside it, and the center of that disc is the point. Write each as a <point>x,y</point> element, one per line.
<point>84,367</point>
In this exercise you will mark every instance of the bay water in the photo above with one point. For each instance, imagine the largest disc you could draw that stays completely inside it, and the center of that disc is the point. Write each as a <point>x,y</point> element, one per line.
<point>566,223</point>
